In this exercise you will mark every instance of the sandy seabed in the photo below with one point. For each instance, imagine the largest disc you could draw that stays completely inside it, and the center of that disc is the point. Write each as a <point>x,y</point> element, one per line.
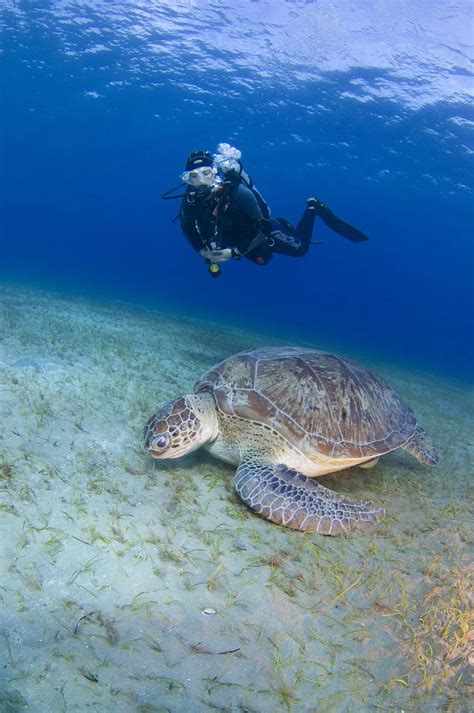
<point>133,585</point>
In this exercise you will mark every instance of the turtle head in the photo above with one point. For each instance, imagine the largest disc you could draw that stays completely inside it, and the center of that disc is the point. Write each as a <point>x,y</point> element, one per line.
<point>181,426</point>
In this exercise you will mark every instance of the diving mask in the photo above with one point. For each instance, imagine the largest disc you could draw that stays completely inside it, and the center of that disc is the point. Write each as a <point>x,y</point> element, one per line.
<point>203,176</point>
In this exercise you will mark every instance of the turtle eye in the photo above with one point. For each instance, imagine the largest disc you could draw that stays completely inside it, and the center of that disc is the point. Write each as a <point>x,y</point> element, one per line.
<point>160,441</point>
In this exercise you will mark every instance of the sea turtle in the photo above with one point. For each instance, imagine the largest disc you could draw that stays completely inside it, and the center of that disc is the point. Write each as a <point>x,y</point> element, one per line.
<point>283,414</point>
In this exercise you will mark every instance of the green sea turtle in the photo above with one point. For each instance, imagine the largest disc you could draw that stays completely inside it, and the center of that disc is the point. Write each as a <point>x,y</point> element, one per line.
<point>283,414</point>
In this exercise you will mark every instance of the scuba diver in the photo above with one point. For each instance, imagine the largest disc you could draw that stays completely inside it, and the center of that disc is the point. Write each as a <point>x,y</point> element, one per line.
<point>223,216</point>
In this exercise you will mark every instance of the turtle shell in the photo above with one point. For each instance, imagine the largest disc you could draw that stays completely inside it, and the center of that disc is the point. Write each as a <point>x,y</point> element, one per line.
<point>317,401</point>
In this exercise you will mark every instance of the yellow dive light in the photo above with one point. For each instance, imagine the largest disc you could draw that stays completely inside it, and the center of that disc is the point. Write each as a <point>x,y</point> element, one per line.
<point>214,269</point>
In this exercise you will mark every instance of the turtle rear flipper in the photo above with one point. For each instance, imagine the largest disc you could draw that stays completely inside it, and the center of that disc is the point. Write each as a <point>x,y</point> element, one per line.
<point>369,463</point>
<point>289,498</point>
<point>421,447</point>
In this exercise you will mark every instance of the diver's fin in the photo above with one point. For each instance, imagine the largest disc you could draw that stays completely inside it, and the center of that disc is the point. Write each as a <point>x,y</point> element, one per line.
<point>332,221</point>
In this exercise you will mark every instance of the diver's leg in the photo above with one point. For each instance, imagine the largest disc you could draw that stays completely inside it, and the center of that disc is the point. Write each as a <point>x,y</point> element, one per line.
<point>284,240</point>
<point>304,229</point>
<point>332,221</point>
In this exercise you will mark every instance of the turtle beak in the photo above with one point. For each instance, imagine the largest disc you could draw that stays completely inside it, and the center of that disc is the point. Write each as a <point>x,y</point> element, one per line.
<point>155,454</point>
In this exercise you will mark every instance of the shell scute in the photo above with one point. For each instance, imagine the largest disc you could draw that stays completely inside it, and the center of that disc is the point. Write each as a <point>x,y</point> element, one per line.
<point>248,404</point>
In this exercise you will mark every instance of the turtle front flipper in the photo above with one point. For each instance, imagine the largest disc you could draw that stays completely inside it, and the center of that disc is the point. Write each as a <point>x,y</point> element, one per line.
<point>421,447</point>
<point>289,498</point>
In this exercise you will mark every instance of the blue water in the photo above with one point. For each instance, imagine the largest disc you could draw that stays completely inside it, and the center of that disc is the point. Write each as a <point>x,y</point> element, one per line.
<point>367,106</point>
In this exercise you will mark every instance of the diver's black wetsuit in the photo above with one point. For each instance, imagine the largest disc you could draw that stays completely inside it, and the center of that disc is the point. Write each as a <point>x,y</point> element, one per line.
<point>232,218</point>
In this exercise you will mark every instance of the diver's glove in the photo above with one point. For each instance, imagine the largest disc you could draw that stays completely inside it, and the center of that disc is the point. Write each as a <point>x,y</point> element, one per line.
<point>332,221</point>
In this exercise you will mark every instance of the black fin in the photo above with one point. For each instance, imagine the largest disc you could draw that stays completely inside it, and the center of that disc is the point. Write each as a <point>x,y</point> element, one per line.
<point>340,226</point>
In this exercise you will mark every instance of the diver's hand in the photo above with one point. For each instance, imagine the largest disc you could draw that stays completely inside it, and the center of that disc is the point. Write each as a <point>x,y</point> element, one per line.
<point>217,255</point>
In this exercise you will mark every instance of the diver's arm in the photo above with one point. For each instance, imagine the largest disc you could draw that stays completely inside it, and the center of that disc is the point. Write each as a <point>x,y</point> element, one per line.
<point>188,226</point>
<point>192,236</point>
